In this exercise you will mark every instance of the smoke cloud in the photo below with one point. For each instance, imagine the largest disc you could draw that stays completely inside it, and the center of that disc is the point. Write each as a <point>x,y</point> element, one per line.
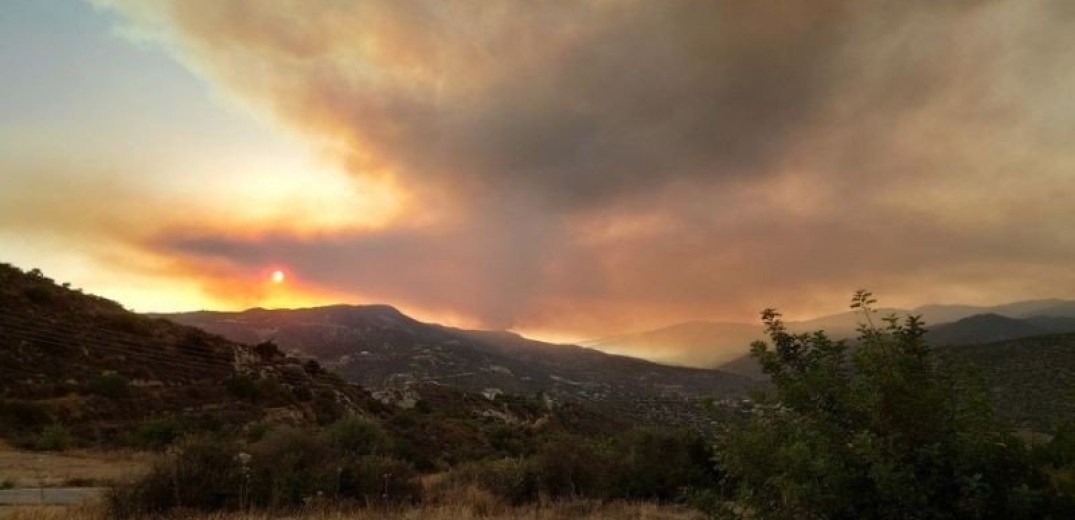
<point>592,166</point>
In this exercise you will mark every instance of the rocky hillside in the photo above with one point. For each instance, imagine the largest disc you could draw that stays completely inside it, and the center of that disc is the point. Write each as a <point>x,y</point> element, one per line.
<point>81,360</point>
<point>77,368</point>
<point>1032,380</point>
<point>381,348</point>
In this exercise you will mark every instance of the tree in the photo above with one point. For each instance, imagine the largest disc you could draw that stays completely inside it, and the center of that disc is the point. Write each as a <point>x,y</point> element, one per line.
<point>884,429</point>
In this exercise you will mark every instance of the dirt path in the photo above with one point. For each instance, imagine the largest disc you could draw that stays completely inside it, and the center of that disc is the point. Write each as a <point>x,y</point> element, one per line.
<point>48,496</point>
<point>82,468</point>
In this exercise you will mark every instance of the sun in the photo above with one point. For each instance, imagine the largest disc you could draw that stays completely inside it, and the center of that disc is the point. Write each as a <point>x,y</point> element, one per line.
<point>277,277</point>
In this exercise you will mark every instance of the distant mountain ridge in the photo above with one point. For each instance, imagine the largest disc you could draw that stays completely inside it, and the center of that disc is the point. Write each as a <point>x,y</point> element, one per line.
<point>726,345</point>
<point>382,348</point>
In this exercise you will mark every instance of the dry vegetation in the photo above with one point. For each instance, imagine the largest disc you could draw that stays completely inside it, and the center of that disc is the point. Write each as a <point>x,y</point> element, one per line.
<point>461,511</point>
<point>78,468</point>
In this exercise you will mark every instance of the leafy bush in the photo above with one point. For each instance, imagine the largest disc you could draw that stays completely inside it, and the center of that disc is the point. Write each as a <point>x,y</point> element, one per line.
<point>110,385</point>
<point>19,415</point>
<point>886,430</point>
<point>570,467</point>
<point>355,435</point>
<point>514,480</point>
<point>157,434</point>
<point>290,465</point>
<point>242,386</point>
<point>55,437</point>
<point>661,465</point>
<point>377,479</point>
<point>199,474</point>
<point>256,431</point>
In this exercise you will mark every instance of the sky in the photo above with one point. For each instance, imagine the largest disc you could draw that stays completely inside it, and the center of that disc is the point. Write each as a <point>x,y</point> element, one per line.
<point>568,169</point>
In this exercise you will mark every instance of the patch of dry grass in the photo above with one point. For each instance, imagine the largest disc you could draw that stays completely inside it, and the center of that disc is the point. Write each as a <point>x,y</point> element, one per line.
<point>80,467</point>
<point>550,511</point>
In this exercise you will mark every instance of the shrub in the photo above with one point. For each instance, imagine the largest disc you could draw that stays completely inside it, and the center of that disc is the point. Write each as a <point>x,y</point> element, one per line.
<point>199,474</point>
<point>22,415</point>
<point>256,431</point>
<point>242,386</point>
<point>110,385</point>
<point>884,430</point>
<point>571,467</point>
<point>290,465</point>
<point>661,465</point>
<point>157,434</point>
<point>377,479</point>
<point>513,480</point>
<point>355,435</point>
<point>55,437</point>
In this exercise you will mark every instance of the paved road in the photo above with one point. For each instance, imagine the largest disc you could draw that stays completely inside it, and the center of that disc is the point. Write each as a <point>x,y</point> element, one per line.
<point>49,496</point>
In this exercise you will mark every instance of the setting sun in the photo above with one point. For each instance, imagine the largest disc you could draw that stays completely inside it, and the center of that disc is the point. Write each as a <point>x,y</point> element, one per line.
<point>277,277</point>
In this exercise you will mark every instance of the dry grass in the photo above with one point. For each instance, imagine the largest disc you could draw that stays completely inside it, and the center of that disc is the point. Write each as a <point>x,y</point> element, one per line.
<point>82,467</point>
<point>553,511</point>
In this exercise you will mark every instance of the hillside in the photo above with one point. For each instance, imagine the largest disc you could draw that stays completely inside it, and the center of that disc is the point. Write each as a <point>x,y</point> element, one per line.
<point>381,348</point>
<point>84,361</point>
<point>987,328</point>
<point>1032,380</point>
<point>110,377</point>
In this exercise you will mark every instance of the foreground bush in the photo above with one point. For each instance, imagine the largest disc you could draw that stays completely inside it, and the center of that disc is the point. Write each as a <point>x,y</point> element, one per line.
<point>885,430</point>
<point>286,468</point>
<point>199,474</point>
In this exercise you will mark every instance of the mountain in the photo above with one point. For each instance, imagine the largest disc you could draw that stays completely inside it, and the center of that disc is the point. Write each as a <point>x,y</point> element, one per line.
<point>381,348</point>
<point>77,369</point>
<point>987,328</point>
<point>725,345</point>
<point>947,313</point>
<point>1031,380</point>
<point>698,343</point>
<point>84,361</point>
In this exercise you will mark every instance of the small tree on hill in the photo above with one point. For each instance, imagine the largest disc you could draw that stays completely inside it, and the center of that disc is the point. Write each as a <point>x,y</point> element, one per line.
<point>883,430</point>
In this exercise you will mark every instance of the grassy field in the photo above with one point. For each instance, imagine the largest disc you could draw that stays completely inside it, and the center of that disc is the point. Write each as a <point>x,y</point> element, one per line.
<point>555,511</point>
<point>72,468</point>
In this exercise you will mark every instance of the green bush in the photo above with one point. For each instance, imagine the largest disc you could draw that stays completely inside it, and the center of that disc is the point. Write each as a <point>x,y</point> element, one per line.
<point>257,430</point>
<point>290,465</point>
<point>157,434</point>
<point>884,430</point>
<point>55,437</point>
<point>355,435</point>
<point>242,386</point>
<point>571,467</point>
<point>110,385</point>
<point>199,474</point>
<point>513,480</point>
<point>19,415</point>
<point>661,465</point>
<point>376,479</point>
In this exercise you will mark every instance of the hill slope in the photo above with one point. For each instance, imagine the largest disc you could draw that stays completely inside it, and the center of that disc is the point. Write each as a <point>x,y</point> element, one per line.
<point>85,361</point>
<point>987,328</point>
<point>380,347</point>
<point>110,377</point>
<point>1032,380</point>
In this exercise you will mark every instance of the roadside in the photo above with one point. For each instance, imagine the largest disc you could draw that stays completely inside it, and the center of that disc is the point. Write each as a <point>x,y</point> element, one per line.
<point>79,468</point>
<point>49,496</point>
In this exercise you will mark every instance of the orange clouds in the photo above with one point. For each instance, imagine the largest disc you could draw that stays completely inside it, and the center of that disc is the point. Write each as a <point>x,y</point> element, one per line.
<point>592,166</point>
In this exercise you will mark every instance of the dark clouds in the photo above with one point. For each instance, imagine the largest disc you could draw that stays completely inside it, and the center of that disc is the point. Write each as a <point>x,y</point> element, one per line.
<point>629,163</point>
